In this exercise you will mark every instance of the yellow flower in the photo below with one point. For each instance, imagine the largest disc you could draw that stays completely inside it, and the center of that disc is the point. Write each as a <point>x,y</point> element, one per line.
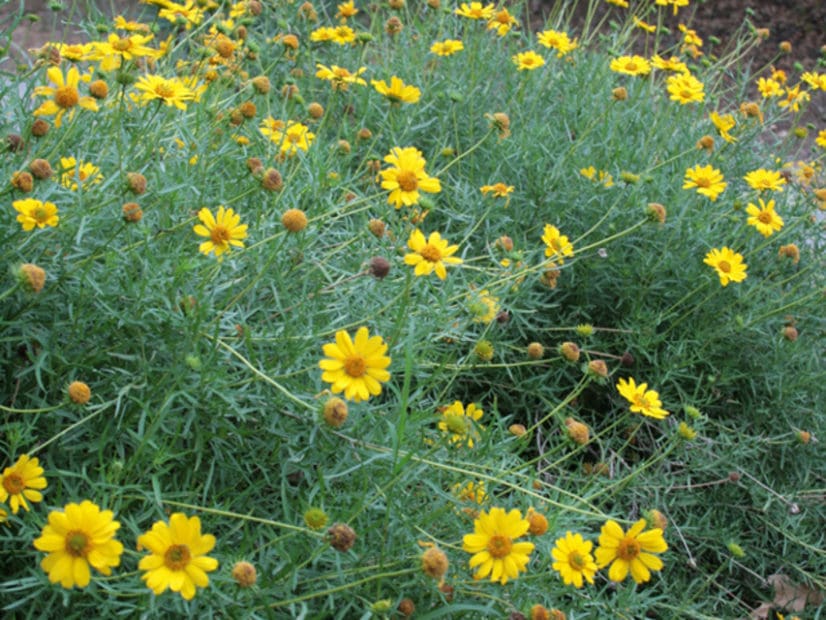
<point>292,138</point>
<point>675,3</point>
<point>407,177</point>
<point>685,88</point>
<point>502,21</point>
<point>73,171</point>
<point>357,366</point>
<point>623,4</point>
<point>398,91</point>
<point>643,400</point>
<point>223,230</point>
<point>557,40</point>
<point>340,77</point>
<point>557,245</point>
<point>483,306</point>
<point>342,35</point>
<point>475,10</point>
<point>631,65</point>
<point>319,35</point>
<point>762,179</point>
<point>190,12</point>
<point>22,481</point>
<point>33,213</point>
<point>178,559</point>
<point>448,47</point>
<point>528,61</point>
<point>769,87</point>
<point>76,537</point>
<point>728,264</point>
<point>460,423</point>
<point>112,52</point>
<point>430,254</point>
<point>793,97</point>
<point>64,95</point>
<point>173,92</point>
<point>603,177</point>
<point>815,80</point>
<point>472,492</point>
<point>821,138</point>
<point>346,10</point>
<point>723,124</point>
<point>672,65</point>
<point>630,552</point>
<point>494,545</point>
<point>650,28</point>
<point>708,181</point>
<point>499,190</point>
<point>573,559</point>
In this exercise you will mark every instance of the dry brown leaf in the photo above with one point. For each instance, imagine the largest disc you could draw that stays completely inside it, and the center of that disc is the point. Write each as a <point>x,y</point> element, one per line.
<point>792,596</point>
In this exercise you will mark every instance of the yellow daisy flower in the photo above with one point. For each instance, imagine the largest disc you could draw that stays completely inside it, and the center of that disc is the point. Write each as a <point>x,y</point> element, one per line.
<point>430,254</point>
<point>178,559</point>
<point>724,123</point>
<point>527,61</point>
<point>407,177</point>
<point>79,536</point>
<point>475,10</point>
<point>573,560</point>
<point>357,366</point>
<point>32,212</point>
<point>557,245</point>
<point>502,21</point>
<point>73,171</point>
<point>397,91</point>
<point>448,47</point>
<point>173,92</point>
<point>22,481</point>
<point>642,400</point>
<point>708,181</point>
<point>762,179</point>
<point>728,264</point>
<point>460,423</point>
<point>764,218</point>
<point>494,545</point>
<point>685,88</point>
<point>64,95</point>
<point>630,65</point>
<point>223,230</point>
<point>630,552</point>
<point>340,77</point>
<point>557,40</point>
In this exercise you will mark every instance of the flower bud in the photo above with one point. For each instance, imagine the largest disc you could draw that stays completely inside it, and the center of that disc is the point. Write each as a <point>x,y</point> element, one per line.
<point>535,351</point>
<point>434,563</point>
<point>334,412</point>
<point>598,368</point>
<point>79,392</point>
<point>32,277</point>
<point>341,536</point>
<point>41,169</point>
<point>570,351</point>
<point>315,518</point>
<point>294,220</point>
<point>577,431</point>
<point>132,212</point>
<point>244,574</point>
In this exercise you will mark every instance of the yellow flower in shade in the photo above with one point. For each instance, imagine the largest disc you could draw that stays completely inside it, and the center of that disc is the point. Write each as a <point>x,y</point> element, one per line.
<point>398,91</point>
<point>728,264</point>
<point>475,10</point>
<point>112,52</point>
<point>498,190</point>
<point>172,92</point>
<point>769,87</point>
<point>573,560</point>
<point>630,552</point>
<point>223,230</point>
<point>764,218</point>
<point>407,177</point>
<point>557,40</point>
<point>675,3</point>
<point>430,254</point>
<point>815,80</point>
<point>79,536</point>
<point>821,138</point>
<point>357,366</point>
<point>672,65</point>
<point>33,213</point>
<point>631,65</point>
<point>708,181</point>
<point>190,13</point>
<point>623,4</point>
<point>602,176</point>
<point>494,545</point>
<point>685,88</point>
<point>22,481</point>
<point>502,21</point>
<point>470,492</point>
<point>339,77</point>
<point>460,423</point>
<point>793,97</point>
<point>557,245</point>
<point>642,25</point>
<point>527,61</point>
<point>64,95</point>
<point>295,137</point>
<point>178,559</point>
<point>483,306</point>
<point>723,124</point>
<point>448,47</point>
<point>642,400</point>
<point>346,10</point>
<point>73,171</point>
<point>761,180</point>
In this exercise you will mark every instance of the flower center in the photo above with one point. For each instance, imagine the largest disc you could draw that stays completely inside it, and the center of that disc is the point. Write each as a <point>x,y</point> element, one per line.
<point>431,253</point>
<point>66,97</point>
<point>724,266</point>
<point>165,91</point>
<point>13,483</point>
<point>40,215</point>
<point>456,424</point>
<point>503,17</point>
<point>77,544</point>
<point>703,182</point>
<point>355,366</point>
<point>576,561</point>
<point>219,235</point>
<point>499,546</point>
<point>122,45</point>
<point>765,217</point>
<point>177,557</point>
<point>407,180</point>
<point>631,66</point>
<point>294,137</point>
<point>628,549</point>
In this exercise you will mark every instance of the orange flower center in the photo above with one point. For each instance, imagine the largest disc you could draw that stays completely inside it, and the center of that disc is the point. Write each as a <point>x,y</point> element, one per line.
<point>431,253</point>
<point>703,182</point>
<point>631,66</point>
<point>219,235</point>
<point>576,561</point>
<point>765,217</point>
<point>628,549</point>
<point>499,546</point>
<point>164,91</point>
<point>407,180</point>
<point>355,366</point>
<point>66,97</point>
<point>122,45</point>
<point>503,17</point>
<point>13,483</point>
<point>177,557</point>
<point>77,544</point>
<point>40,214</point>
<point>724,266</point>
<point>293,137</point>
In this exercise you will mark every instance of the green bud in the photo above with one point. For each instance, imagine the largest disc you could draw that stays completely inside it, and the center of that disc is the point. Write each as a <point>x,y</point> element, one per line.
<point>456,96</point>
<point>736,550</point>
<point>427,203</point>
<point>382,606</point>
<point>193,361</point>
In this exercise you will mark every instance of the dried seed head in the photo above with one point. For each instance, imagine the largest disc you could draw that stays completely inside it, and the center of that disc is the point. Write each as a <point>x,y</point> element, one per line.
<point>136,182</point>
<point>99,89</point>
<point>379,267</point>
<point>271,180</point>
<point>570,351</point>
<point>535,351</point>
<point>315,110</point>
<point>79,392</point>
<point>434,563</point>
<point>517,430</point>
<point>132,212</point>
<point>577,431</point>
<point>656,212</point>
<point>261,83</point>
<point>244,574</point>
<point>377,227</point>
<point>598,368</point>
<point>40,128</point>
<point>619,93</point>
<point>341,536</point>
<point>294,220</point>
<point>406,607</point>
<point>538,522</point>
<point>334,412</point>
<point>41,169</point>
<point>32,277</point>
<point>22,181</point>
